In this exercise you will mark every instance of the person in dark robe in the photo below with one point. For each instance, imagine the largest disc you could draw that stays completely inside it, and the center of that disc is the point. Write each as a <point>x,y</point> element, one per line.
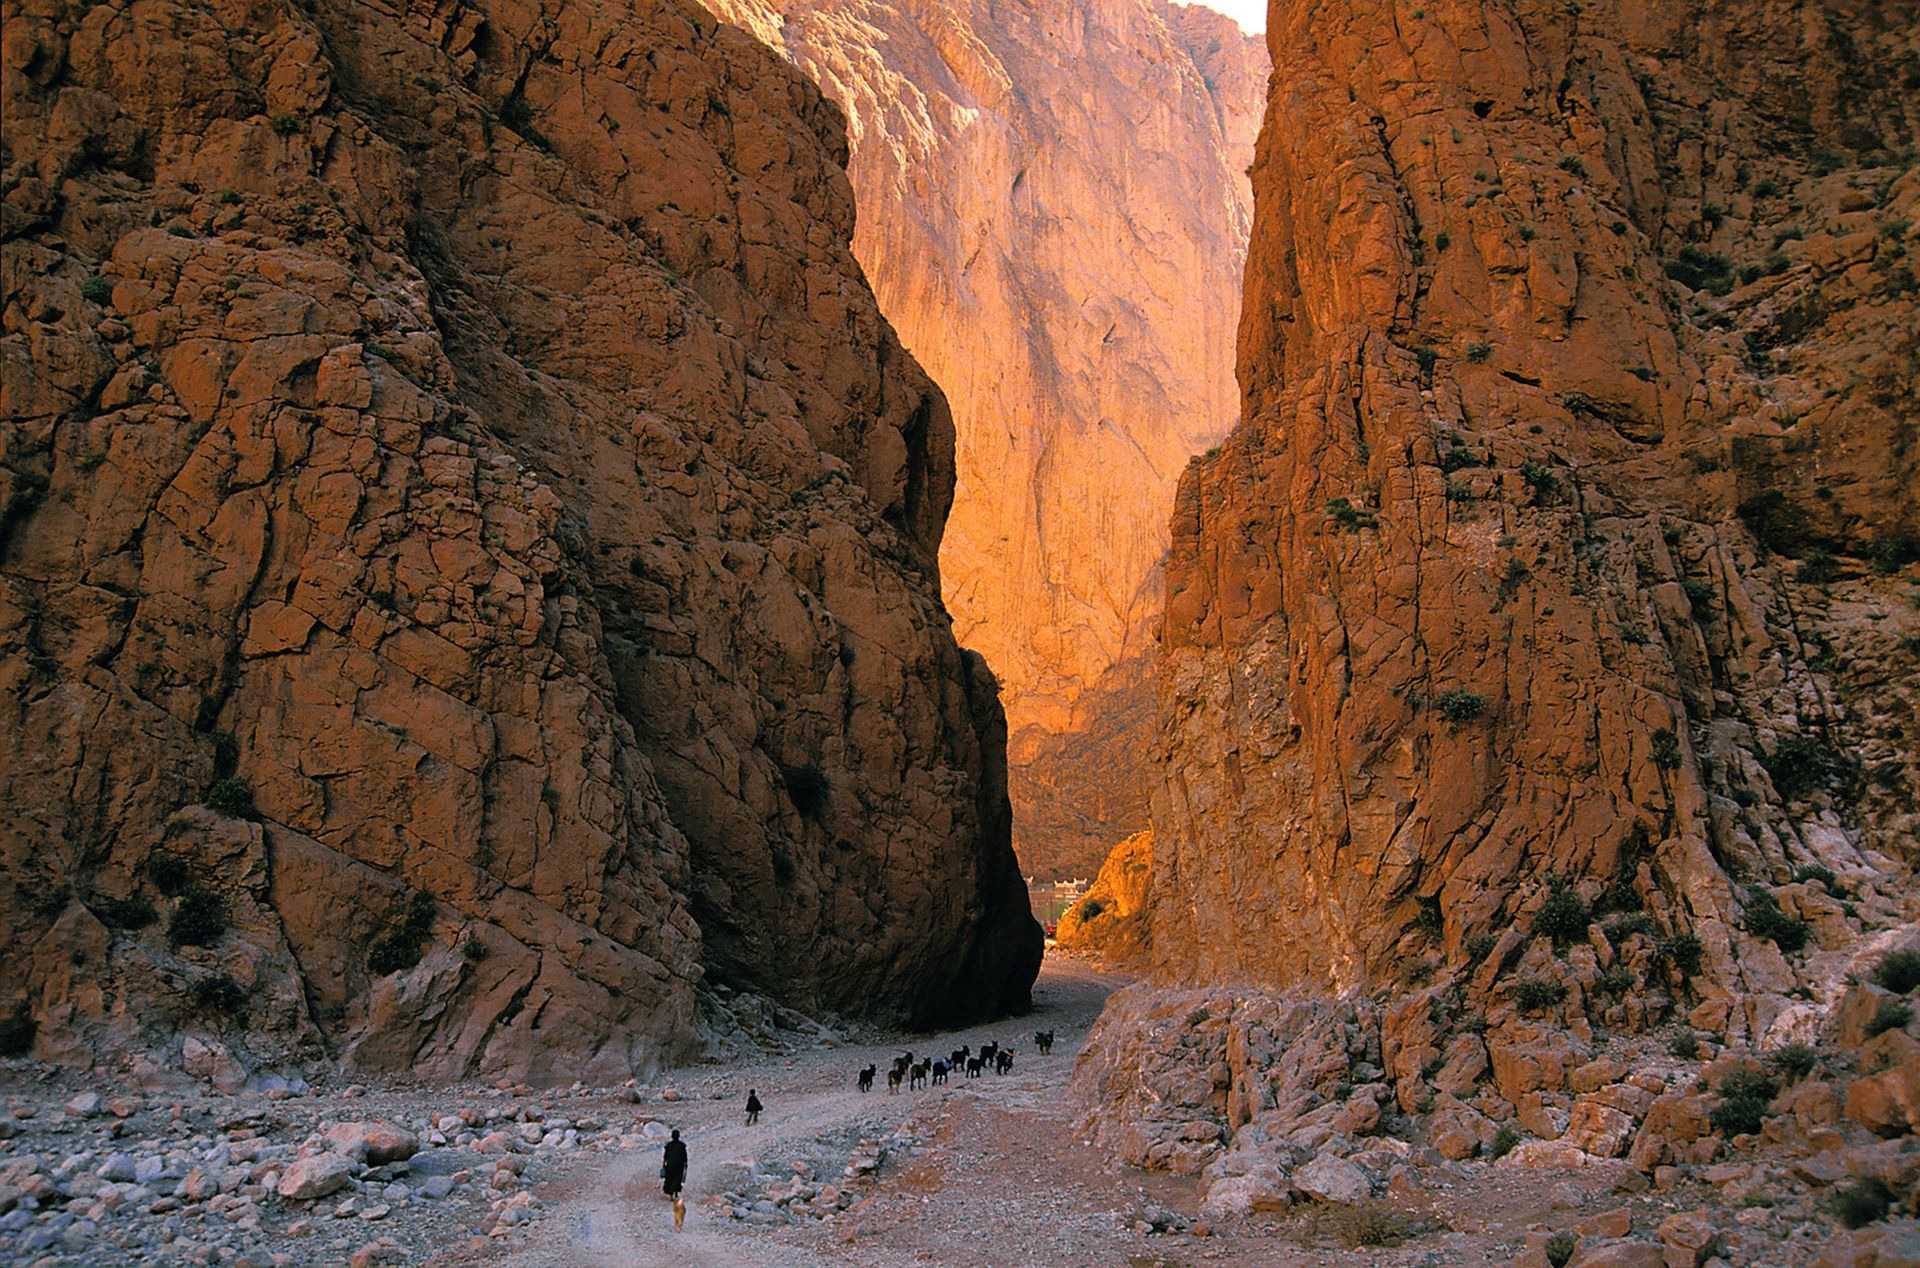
<point>673,1176</point>
<point>753,1107</point>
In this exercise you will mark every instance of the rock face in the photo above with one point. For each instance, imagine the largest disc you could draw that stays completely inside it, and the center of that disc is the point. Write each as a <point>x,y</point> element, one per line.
<point>1111,921</point>
<point>1569,534</point>
<point>468,560</point>
<point>1054,215</point>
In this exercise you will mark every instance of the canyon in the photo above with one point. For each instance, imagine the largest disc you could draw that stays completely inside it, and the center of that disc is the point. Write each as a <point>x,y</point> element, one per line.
<point>468,571</point>
<point>1054,214</point>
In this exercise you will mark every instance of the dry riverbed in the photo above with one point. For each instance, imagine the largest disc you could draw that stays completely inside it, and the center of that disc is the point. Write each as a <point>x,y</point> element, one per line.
<point>991,1170</point>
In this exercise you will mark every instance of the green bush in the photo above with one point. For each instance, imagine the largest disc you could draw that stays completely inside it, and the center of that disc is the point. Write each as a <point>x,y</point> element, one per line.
<point>1817,872</point>
<point>1747,1085</point>
<point>1426,357</point>
<point>1699,269</point>
<point>1350,517</point>
<point>1763,919</point>
<point>1817,569</point>
<point>199,919</point>
<point>219,993</point>
<point>808,787</point>
<point>474,949</point>
<point>1197,1016</point>
<point>1563,917</point>
<point>1481,945</point>
<point>1698,592</point>
<point>1859,1205</point>
<point>1090,908</point>
<point>1560,1248</point>
<point>96,289</point>
<point>1536,994</point>
<point>398,948</point>
<point>1738,1116</point>
<point>230,797</point>
<point>1795,1061</point>
<point>1666,749</point>
<point>1685,1045</point>
<point>1478,351</point>
<point>1428,918</point>
<point>1893,1014</point>
<point>1801,765</point>
<point>169,874</point>
<point>1503,1141</point>
<point>1541,480</point>
<point>1572,163</point>
<point>1898,971</point>
<point>1618,980</point>
<point>1620,928</point>
<point>1680,951</point>
<point>284,123</point>
<point>125,913</point>
<point>16,1033</point>
<point>1459,706</point>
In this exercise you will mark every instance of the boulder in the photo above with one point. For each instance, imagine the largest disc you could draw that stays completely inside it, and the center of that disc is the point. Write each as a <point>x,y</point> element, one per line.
<point>315,1176</point>
<point>373,1142</point>
<point>1330,1178</point>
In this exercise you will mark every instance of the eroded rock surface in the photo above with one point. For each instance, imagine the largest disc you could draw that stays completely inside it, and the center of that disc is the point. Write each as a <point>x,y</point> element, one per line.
<point>1111,920</point>
<point>1054,215</point>
<point>468,560</point>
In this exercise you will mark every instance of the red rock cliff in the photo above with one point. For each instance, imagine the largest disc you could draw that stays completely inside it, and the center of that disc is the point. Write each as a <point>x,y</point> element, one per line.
<point>468,555</point>
<point>1054,214</point>
<point>1570,529</point>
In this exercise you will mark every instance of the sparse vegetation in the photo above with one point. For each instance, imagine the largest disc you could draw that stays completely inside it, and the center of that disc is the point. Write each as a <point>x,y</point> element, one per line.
<point>1699,269</point>
<point>1801,765</point>
<point>284,123</point>
<point>1372,1224</point>
<point>1893,1014</point>
<point>808,788</point>
<point>1197,1016</point>
<point>1680,952</point>
<point>1428,919</point>
<point>1817,569</point>
<point>1666,749</point>
<point>518,115</point>
<point>1536,994</point>
<point>1898,971</point>
<point>168,873</point>
<point>1563,916</point>
<point>1763,918</point>
<point>1459,706</point>
<point>398,949</point>
<point>219,993</point>
<point>1481,945</point>
<point>1795,1061</point>
<point>1352,518</point>
<point>1503,1141</point>
<point>1478,351</point>
<point>1560,1248</point>
<point>1685,1045</point>
<point>16,1033</point>
<point>1541,480</point>
<point>1744,1097</point>
<point>1572,163</point>
<point>230,798</point>
<point>199,919</point>
<point>1618,980</point>
<point>1622,927</point>
<point>1858,1205</point>
<point>96,289</point>
<point>1817,872</point>
<point>474,949</point>
<point>1456,457</point>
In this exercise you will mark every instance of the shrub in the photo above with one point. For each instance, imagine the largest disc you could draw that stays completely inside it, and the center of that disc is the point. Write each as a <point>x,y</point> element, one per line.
<point>1701,270</point>
<point>1801,765</point>
<point>1763,919</point>
<point>398,948</point>
<point>1197,1016</point>
<point>1898,971</point>
<point>1563,917</point>
<point>1457,491</point>
<point>1536,994</point>
<point>198,920</point>
<point>1681,952</point>
<point>96,289</point>
<point>1698,592</point>
<point>1859,1205</point>
<point>1090,908</point>
<point>1572,163</point>
<point>1619,894</point>
<point>1817,569</point>
<point>1428,918</point>
<point>1503,1141</point>
<point>230,797</point>
<point>518,115</point>
<point>1620,928</point>
<point>49,901</point>
<point>1538,478</point>
<point>1747,1085</point>
<point>284,123</point>
<point>1617,980</point>
<point>219,993</point>
<point>1893,1014</point>
<point>1478,351</point>
<point>1456,457</point>
<point>1795,1061</point>
<point>1666,749</point>
<point>169,874</point>
<point>1560,1248</point>
<point>808,787</point>
<point>474,949</point>
<point>1685,1045</point>
<point>1459,706</point>
<point>16,1033</point>
<point>1350,517</point>
<point>125,913</point>
<point>1817,872</point>
<point>1481,945</point>
<point>1744,1097</point>
<point>1426,356</point>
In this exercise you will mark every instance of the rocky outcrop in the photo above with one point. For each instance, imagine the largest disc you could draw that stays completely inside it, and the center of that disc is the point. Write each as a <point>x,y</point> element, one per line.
<point>468,561</point>
<point>1528,572</point>
<point>1111,920</point>
<point>1054,215</point>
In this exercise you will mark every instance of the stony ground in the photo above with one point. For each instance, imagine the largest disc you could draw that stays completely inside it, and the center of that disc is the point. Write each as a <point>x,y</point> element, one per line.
<point>990,1170</point>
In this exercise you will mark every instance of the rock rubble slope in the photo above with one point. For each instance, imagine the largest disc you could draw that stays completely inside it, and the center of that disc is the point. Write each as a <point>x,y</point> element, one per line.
<point>1054,214</point>
<point>468,560</point>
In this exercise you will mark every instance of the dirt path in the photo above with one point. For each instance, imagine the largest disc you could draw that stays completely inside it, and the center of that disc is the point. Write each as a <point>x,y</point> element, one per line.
<point>985,1144</point>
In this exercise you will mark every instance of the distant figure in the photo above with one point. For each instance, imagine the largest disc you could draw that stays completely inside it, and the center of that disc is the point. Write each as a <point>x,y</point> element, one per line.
<point>1003,1061</point>
<point>973,1067</point>
<point>673,1175</point>
<point>894,1076</point>
<point>753,1107</point>
<point>939,1072</point>
<point>1043,1040</point>
<point>866,1078</point>
<point>958,1057</point>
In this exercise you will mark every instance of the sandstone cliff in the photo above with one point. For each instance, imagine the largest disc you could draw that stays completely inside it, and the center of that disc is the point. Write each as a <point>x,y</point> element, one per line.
<point>1539,652</point>
<point>1054,215</point>
<point>468,562</point>
<point>1111,921</point>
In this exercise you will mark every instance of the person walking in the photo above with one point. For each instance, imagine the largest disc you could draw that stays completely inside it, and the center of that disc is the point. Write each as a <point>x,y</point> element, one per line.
<point>673,1177</point>
<point>753,1107</point>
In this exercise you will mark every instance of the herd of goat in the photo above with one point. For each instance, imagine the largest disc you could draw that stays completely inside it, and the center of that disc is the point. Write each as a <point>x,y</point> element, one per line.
<point>992,1056</point>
